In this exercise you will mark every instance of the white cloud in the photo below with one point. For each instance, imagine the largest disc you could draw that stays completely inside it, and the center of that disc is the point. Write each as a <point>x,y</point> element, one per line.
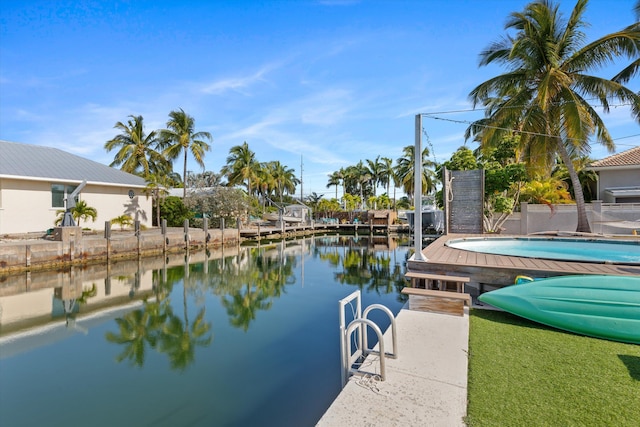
<point>237,84</point>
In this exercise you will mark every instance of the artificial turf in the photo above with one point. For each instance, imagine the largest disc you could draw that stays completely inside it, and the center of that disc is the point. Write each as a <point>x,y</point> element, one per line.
<point>525,374</point>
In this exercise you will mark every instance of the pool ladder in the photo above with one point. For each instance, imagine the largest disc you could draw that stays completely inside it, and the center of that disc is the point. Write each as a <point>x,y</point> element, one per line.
<point>359,324</point>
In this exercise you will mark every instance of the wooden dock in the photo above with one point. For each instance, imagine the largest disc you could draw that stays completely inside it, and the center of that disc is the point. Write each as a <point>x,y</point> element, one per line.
<point>487,270</point>
<point>269,231</point>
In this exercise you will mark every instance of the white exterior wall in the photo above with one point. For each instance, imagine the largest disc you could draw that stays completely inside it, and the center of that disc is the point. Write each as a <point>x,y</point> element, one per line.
<point>111,202</point>
<point>628,177</point>
<point>25,206</point>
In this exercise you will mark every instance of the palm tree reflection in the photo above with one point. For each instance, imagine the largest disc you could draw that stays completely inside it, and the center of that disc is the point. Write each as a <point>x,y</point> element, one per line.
<point>261,279</point>
<point>248,282</point>
<point>367,269</point>
<point>155,325</point>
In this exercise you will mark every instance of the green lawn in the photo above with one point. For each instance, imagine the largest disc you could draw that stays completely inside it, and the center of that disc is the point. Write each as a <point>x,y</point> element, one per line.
<point>525,374</point>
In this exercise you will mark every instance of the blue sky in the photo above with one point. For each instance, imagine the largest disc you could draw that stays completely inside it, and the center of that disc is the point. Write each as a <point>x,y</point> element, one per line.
<point>330,82</point>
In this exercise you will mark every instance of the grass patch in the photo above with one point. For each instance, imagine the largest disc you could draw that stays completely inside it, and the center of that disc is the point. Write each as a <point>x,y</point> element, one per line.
<point>525,374</point>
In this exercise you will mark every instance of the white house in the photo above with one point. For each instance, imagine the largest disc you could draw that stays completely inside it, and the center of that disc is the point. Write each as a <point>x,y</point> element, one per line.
<point>35,180</point>
<point>619,177</point>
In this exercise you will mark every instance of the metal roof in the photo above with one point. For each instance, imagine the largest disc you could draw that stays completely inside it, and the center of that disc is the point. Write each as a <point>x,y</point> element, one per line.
<point>35,162</point>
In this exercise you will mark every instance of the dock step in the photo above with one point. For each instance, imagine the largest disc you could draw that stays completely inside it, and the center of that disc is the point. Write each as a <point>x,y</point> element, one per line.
<point>437,301</point>
<point>431,279</point>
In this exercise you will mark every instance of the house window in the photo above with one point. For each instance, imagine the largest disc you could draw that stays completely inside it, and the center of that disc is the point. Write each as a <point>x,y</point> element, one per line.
<point>59,192</point>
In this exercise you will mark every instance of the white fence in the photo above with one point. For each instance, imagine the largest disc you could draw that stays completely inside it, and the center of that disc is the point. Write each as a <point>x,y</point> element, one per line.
<point>604,218</point>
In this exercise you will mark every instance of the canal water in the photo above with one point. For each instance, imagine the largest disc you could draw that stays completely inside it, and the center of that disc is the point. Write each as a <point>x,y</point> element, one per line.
<point>244,337</point>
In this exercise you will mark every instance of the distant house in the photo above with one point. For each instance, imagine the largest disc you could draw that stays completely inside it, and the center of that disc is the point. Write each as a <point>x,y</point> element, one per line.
<point>619,177</point>
<point>35,180</point>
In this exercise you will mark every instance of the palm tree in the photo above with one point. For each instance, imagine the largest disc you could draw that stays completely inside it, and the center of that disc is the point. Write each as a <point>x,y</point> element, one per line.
<point>180,136</point>
<point>123,221</point>
<point>284,178</point>
<point>355,178</point>
<point>137,151</point>
<point>588,178</point>
<point>544,93</point>
<point>80,211</point>
<point>157,188</point>
<point>242,166</point>
<point>335,179</point>
<point>264,182</point>
<point>405,167</point>
<point>313,199</point>
<point>374,168</point>
<point>386,172</point>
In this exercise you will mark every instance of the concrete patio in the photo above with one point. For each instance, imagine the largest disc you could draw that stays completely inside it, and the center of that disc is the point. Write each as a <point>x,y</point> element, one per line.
<point>425,386</point>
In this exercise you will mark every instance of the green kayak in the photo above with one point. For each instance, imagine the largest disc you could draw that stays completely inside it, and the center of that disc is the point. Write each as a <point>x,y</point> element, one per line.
<point>598,306</point>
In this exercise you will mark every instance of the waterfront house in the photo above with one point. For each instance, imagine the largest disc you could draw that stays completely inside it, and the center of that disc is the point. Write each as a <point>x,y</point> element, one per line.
<point>35,180</point>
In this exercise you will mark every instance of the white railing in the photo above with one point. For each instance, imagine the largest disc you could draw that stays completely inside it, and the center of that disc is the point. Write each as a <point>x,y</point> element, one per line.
<point>358,326</point>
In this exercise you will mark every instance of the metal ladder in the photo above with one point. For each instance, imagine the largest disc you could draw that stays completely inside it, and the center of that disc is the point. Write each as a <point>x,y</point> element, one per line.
<point>359,324</point>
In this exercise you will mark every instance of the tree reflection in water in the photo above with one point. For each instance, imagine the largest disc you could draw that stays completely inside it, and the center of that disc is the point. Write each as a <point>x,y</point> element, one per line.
<point>364,268</point>
<point>251,285</point>
<point>247,282</point>
<point>156,325</point>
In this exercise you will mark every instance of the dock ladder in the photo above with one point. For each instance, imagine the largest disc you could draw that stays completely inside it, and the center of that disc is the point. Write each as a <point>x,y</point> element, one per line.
<point>359,324</point>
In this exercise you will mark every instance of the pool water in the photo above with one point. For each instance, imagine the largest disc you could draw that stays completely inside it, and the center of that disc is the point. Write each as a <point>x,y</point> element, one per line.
<point>589,250</point>
<point>250,339</point>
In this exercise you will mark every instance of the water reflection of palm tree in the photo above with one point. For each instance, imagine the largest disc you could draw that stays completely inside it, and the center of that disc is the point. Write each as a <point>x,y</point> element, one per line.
<point>179,339</point>
<point>136,330</point>
<point>256,286</point>
<point>155,325</point>
<point>243,305</point>
<point>368,269</point>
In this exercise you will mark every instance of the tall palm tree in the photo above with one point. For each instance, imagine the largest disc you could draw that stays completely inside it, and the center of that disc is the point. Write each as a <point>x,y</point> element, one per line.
<point>375,171</point>
<point>355,178</point>
<point>264,182</point>
<point>137,152</point>
<point>588,178</point>
<point>335,179</point>
<point>386,172</point>
<point>405,167</point>
<point>546,90</point>
<point>242,166</point>
<point>284,178</point>
<point>157,187</point>
<point>181,137</point>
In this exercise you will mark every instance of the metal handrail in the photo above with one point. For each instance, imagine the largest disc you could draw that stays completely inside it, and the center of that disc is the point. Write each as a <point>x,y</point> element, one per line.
<point>360,323</point>
<point>394,341</point>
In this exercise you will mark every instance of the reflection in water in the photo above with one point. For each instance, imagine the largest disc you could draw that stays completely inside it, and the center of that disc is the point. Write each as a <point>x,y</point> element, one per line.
<point>360,266</point>
<point>246,283</point>
<point>213,338</point>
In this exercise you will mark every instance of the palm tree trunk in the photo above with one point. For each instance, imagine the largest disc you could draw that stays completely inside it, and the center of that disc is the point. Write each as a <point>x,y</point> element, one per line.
<point>157,207</point>
<point>184,176</point>
<point>583,222</point>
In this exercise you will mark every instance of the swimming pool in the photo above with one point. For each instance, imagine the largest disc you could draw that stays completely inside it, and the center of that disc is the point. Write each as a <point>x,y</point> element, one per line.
<point>564,249</point>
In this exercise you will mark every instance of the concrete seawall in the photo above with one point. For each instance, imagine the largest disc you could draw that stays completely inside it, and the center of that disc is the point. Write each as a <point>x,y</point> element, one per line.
<point>76,248</point>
